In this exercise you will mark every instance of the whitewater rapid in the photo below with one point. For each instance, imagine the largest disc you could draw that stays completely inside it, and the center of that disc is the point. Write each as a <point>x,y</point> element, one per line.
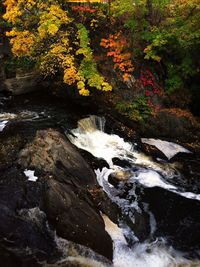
<point>90,136</point>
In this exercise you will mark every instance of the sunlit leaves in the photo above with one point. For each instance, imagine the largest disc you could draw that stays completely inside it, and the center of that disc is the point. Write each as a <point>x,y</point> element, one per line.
<point>116,44</point>
<point>21,41</point>
<point>45,32</point>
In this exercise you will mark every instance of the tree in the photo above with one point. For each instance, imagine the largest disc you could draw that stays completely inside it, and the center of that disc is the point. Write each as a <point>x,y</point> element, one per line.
<point>46,32</point>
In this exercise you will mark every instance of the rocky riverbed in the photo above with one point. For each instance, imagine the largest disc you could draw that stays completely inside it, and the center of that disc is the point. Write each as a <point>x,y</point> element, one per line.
<point>53,193</point>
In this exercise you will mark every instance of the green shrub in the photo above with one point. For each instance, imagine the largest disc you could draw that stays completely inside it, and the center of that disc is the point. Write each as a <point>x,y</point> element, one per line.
<point>137,110</point>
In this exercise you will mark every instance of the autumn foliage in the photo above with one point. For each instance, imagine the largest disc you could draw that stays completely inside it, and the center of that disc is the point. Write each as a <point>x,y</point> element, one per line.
<point>84,9</point>
<point>116,44</point>
<point>47,33</point>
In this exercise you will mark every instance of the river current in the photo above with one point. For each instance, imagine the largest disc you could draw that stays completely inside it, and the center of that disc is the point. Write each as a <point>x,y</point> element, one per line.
<point>142,172</point>
<point>153,252</point>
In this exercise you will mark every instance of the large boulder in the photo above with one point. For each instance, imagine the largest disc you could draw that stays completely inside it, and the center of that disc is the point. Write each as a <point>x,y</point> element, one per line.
<point>24,82</point>
<point>52,152</point>
<point>177,217</point>
<point>71,211</point>
<point>171,123</point>
<point>25,238</point>
<point>67,180</point>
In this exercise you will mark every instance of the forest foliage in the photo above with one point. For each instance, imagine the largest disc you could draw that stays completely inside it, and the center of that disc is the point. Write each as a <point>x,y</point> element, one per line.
<point>59,37</point>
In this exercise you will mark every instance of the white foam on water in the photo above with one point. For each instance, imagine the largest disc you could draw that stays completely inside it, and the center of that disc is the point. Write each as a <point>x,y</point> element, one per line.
<point>108,146</point>
<point>150,178</point>
<point>78,255</point>
<point>149,174</point>
<point>113,193</point>
<point>147,178</point>
<point>190,195</point>
<point>30,175</point>
<point>102,176</point>
<point>101,145</point>
<point>2,125</point>
<point>154,254</point>
<point>168,148</point>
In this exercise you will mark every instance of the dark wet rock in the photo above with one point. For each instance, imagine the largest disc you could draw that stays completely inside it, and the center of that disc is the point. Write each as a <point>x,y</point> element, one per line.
<point>171,123</point>
<point>25,237</point>
<point>141,226</point>
<point>134,216</point>
<point>116,124</point>
<point>16,191</point>
<point>188,166</point>
<point>71,211</point>
<point>152,151</point>
<point>95,163</point>
<point>119,176</point>
<point>66,200</point>
<point>51,152</point>
<point>105,204</point>
<point>177,217</point>
<point>121,163</point>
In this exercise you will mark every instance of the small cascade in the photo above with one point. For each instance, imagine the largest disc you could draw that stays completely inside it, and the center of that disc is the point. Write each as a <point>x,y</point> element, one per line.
<point>142,172</point>
<point>91,124</point>
<point>90,137</point>
<point>152,254</point>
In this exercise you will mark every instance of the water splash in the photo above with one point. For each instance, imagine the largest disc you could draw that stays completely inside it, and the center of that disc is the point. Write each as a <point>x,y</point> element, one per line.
<point>90,137</point>
<point>91,124</point>
<point>147,254</point>
<point>2,125</point>
<point>78,255</point>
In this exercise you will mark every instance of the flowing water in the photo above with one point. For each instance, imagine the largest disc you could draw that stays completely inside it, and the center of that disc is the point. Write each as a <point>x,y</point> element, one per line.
<point>154,252</point>
<point>141,171</point>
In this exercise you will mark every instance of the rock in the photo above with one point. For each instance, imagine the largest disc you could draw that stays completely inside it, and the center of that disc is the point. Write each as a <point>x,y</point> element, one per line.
<point>51,152</point>
<point>66,199</point>
<point>119,176</point>
<point>105,204</point>
<point>71,211</point>
<point>25,238</point>
<point>171,123</point>
<point>95,163</point>
<point>116,123</point>
<point>121,163</point>
<point>177,217</point>
<point>152,151</point>
<point>23,83</point>
<point>9,145</point>
<point>188,166</point>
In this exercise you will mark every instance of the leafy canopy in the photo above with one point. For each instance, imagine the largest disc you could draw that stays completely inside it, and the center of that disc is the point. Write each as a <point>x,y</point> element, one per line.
<point>46,32</point>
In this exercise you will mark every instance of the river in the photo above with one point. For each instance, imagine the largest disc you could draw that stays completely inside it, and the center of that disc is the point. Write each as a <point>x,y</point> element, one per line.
<point>134,184</point>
